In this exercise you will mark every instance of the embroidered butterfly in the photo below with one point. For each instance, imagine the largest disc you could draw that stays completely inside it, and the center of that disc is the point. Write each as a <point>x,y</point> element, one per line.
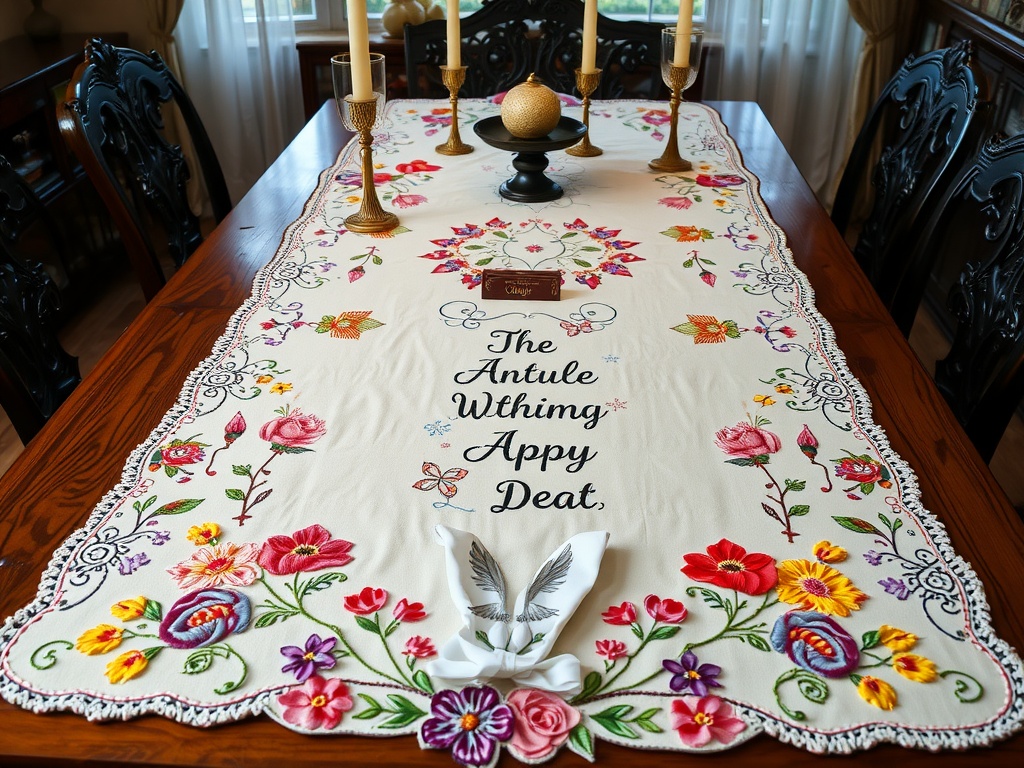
<point>572,329</point>
<point>443,482</point>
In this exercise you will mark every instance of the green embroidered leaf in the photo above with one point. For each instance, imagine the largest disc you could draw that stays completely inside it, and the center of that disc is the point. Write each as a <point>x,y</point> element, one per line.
<point>582,742</point>
<point>485,262</point>
<point>501,234</point>
<point>583,263</point>
<point>145,505</point>
<point>377,260</point>
<point>610,720</point>
<point>198,662</point>
<point>590,248</point>
<point>867,488</point>
<point>799,510</point>
<point>742,462</point>
<point>170,471</point>
<point>474,247</point>
<point>368,324</point>
<point>856,678</point>
<point>179,507</point>
<point>372,708</point>
<point>663,633</point>
<point>567,235</point>
<point>896,525</point>
<point>644,720</point>
<point>591,683</point>
<point>153,610</point>
<point>369,626</point>
<point>756,641</point>
<point>422,681</point>
<point>288,449</point>
<point>688,329</point>
<point>272,617</point>
<point>482,637</point>
<point>795,485</point>
<point>235,494</point>
<point>688,263</point>
<point>870,639</point>
<point>325,324</point>
<point>245,470</point>
<point>405,712</point>
<point>710,597</point>
<point>712,263</point>
<point>856,525</point>
<point>637,631</point>
<point>321,582</point>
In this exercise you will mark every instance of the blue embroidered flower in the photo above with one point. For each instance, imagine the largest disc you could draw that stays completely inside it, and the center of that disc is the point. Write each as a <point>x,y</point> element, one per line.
<point>204,617</point>
<point>816,643</point>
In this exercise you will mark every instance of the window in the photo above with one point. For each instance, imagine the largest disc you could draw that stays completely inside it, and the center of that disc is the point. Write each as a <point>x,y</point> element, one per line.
<point>330,14</point>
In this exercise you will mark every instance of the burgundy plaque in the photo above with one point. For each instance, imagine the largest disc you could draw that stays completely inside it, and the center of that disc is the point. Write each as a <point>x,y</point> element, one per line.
<point>522,284</point>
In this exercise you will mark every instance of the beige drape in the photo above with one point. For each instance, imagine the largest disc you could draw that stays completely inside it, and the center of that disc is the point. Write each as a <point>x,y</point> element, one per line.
<point>163,18</point>
<point>882,21</point>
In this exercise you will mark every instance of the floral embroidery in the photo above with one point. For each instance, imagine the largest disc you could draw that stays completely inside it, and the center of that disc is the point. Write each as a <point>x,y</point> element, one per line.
<point>688,233</point>
<point>915,667</point>
<point>347,325</point>
<point>543,722</point>
<point>688,674</point>
<point>204,617</point>
<point>177,455</point>
<point>877,692</point>
<point>201,535</point>
<point>707,329</point>
<point>368,600</point>
<point>471,722</point>
<point>311,549</point>
<point>701,719</point>
<point>864,471</point>
<point>233,430</point>
<point>611,649</point>
<point>126,666</point>
<point>730,566</point>
<point>827,552</point>
<point>817,587</point>
<point>99,639</point>
<point>815,642</point>
<point>419,647</point>
<point>808,443</point>
<point>230,564</point>
<point>316,655</point>
<point>442,482</point>
<point>319,703</point>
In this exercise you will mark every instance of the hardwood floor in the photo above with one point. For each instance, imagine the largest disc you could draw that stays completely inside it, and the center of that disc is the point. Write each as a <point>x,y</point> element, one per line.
<point>92,331</point>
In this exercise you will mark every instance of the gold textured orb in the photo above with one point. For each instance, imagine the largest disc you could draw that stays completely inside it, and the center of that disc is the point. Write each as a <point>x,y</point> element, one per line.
<point>531,109</point>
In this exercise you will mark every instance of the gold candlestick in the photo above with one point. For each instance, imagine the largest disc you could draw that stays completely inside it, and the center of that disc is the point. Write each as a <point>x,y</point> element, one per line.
<point>677,78</point>
<point>453,78</point>
<point>371,216</point>
<point>586,83</point>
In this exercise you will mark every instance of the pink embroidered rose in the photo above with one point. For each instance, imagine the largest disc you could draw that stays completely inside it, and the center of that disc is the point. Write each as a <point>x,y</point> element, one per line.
<point>367,600</point>
<point>419,647</point>
<point>859,469</point>
<point>406,611</point>
<point>319,703</point>
<point>745,441</point>
<point>666,611</point>
<point>611,649</point>
<point>679,203</point>
<point>542,722</point>
<point>719,180</point>
<point>620,615</point>
<point>408,201</point>
<point>293,431</point>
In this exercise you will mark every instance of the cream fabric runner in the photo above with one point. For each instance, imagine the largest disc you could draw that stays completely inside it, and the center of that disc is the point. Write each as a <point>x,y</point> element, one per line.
<point>273,547</point>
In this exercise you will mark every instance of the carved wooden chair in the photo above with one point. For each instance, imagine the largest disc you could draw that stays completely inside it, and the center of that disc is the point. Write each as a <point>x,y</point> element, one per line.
<point>114,124</point>
<point>923,116</point>
<point>36,373</point>
<point>982,215</point>
<point>506,40</point>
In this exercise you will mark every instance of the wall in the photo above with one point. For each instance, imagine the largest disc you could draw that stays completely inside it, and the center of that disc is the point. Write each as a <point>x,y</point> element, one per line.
<point>85,16</point>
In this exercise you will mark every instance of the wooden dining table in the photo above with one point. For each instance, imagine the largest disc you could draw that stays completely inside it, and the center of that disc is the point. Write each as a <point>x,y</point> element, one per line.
<point>48,493</point>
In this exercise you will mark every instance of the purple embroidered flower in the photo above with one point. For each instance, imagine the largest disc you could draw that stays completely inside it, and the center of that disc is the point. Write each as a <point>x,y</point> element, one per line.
<point>204,617</point>
<point>160,538</point>
<point>816,643</point>
<point>130,565</point>
<point>873,558</point>
<point>895,587</point>
<point>689,675</point>
<point>470,722</point>
<point>739,273</point>
<point>305,661</point>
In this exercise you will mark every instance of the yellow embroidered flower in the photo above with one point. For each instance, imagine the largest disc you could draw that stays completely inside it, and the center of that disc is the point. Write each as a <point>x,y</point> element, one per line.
<point>784,389</point>
<point>264,379</point>
<point>914,667</point>
<point>763,400</point>
<point>126,666</point>
<point>105,637</point>
<point>719,203</point>
<point>127,610</point>
<point>896,640</point>
<point>352,199</point>
<point>827,552</point>
<point>201,535</point>
<point>817,587</point>
<point>877,692</point>
<point>281,387</point>
<point>378,166</point>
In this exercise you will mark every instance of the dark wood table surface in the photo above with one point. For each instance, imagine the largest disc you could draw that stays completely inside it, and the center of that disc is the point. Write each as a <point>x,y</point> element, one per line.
<point>79,455</point>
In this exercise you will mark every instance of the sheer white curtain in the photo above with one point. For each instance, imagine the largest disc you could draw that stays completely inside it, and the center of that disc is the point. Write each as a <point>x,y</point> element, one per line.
<point>243,76</point>
<point>798,60</point>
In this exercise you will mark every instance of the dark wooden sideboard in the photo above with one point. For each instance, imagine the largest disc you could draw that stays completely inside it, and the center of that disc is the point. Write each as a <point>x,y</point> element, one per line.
<point>33,79</point>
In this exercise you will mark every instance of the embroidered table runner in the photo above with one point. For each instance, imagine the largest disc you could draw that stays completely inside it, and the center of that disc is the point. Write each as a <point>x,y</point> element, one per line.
<point>655,512</point>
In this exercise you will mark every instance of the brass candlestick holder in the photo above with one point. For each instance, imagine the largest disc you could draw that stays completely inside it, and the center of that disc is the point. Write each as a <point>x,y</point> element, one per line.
<point>371,216</point>
<point>453,78</point>
<point>677,78</point>
<point>586,83</point>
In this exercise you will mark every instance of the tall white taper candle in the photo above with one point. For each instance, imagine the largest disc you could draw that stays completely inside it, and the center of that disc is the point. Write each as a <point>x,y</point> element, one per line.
<point>454,35</point>
<point>589,63</point>
<point>359,50</point>
<point>684,27</point>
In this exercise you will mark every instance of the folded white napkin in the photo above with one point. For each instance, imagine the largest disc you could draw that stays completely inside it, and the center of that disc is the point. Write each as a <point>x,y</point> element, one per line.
<point>495,642</point>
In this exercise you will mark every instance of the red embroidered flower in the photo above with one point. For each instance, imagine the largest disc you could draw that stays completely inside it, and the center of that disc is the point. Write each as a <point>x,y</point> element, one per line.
<point>416,166</point>
<point>293,431</point>
<point>406,611</point>
<point>666,611</point>
<point>745,441</point>
<point>859,469</point>
<point>319,703</point>
<point>620,615</point>
<point>679,203</point>
<point>419,647</point>
<point>719,180</point>
<point>730,566</point>
<point>408,200</point>
<point>611,649</point>
<point>367,600</point>
<point>311,549</point>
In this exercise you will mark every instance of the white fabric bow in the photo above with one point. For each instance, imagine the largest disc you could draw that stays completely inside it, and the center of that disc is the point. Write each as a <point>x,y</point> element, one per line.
<point>495,643</point>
